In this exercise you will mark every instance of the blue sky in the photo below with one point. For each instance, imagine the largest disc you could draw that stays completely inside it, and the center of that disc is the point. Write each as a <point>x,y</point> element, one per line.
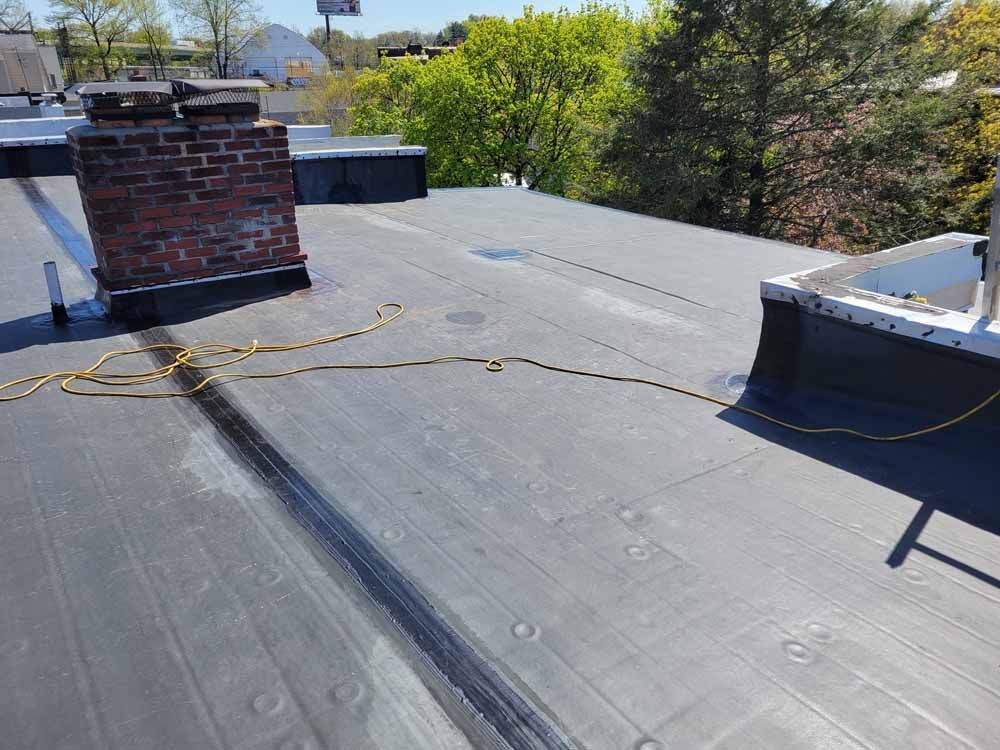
<point>386,15</point>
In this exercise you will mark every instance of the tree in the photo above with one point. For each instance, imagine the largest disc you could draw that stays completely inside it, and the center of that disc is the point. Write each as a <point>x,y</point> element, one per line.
<point>227,27</point>
<point>456,31</point>
<point>752,114</point>
<point>13,15</point>
<point>520,98</point>
<point>154,31</point>
<point>328,100</point>
<point>105,22</point>
<point>383,100</point>
<point>968,39</point>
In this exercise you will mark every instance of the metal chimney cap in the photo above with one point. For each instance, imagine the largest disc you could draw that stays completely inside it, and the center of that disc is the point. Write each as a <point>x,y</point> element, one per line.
<point>177,88</point>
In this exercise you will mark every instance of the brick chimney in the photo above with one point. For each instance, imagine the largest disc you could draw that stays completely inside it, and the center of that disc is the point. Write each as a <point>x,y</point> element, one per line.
<point>186,209</point>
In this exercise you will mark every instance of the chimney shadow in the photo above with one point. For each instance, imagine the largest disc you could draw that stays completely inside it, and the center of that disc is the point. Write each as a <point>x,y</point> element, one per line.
<point>88,320</point>
<point>947,472</point>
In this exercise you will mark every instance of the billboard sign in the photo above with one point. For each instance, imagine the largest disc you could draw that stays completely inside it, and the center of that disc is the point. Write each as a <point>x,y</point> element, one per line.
<point>338,7</point>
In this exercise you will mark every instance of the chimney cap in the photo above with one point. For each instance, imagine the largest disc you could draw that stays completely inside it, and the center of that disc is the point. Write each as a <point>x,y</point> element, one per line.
<point>174,88</point>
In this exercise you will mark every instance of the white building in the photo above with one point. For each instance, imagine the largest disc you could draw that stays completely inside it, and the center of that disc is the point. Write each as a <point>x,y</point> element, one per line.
<point>282,55</point>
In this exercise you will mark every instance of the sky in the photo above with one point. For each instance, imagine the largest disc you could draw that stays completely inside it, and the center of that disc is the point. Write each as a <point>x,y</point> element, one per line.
<point>385,15</point>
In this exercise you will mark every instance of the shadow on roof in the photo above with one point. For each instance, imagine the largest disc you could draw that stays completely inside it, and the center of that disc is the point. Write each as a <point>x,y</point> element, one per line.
<point>947,472</point>
<point>89,322</point>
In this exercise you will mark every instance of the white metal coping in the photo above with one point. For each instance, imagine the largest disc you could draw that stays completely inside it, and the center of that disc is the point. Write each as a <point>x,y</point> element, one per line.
<point>359,153</point>
<point>38,140</point>
<point>892,315</point>
<point>51,131</point>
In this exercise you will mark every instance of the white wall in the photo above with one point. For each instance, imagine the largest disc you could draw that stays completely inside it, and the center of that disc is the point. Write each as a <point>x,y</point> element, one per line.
<point>40,126</point>
<point>279,44</point>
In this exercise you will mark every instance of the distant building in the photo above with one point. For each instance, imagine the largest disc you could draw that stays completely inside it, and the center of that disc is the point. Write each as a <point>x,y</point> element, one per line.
<point>418,51</point>
<point>27,67</point>
<point>283,56</point>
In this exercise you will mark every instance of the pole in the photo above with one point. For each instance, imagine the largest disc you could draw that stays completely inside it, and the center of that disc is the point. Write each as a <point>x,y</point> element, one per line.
<point>991,293</point>
<point>327,35</point>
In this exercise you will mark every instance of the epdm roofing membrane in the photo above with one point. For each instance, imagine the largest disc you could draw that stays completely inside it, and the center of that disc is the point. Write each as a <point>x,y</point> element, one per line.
<point>382,560</point>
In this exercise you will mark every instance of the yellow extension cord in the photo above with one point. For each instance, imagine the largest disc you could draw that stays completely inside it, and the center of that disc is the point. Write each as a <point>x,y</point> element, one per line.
<point>189,357</point>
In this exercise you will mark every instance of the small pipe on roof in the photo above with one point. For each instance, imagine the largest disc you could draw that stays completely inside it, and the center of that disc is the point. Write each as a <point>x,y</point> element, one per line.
<point>59,314</point>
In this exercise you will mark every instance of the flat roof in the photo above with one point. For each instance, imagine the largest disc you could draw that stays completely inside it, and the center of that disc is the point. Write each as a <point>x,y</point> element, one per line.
<point>641,570</point>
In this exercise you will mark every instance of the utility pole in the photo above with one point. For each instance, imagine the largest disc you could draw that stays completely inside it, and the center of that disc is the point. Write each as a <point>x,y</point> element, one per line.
<point>991,293</point>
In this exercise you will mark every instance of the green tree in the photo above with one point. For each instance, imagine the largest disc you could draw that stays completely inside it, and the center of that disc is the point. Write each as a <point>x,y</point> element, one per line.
<point>967,38</point>
<point>520,98</point>
<point>456,31</point>
<point>104,21</point>
<point>383,100</point>
<point>328,100</point>
<point>780,118</point>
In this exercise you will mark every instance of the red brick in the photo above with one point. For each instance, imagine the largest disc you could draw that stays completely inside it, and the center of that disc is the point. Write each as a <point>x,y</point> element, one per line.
<point>118,217</point>
<point>129,179</point>
<point>132,139</point>
<point>257,233</point>
<point>229,205</point>
<point>155,236</point>
<point>185,244</point>
<point>107,193</point>
<point>245,190</point>
<point>155,213</point>
<point>262,244</point>
<point>259,156</point>
<point>170,187</point>
<point>193,208</point>
<point>201,148</point>
<point>176,221</point>
<point>242,169</point>
<point>92,141</point>
<point>184,136</point>
<point>202,252</point>
<point>173,198</point>
<point>147,270</point>
<point>167,256</point>
<point>222,159</point>
<point>139,226</point>
<point>292,249</point>
<point>191,264</point>
<point>283,230</point>
<point>163,151</point>
<point>222,260</point>
<point>206,219</point>
<point>263,200</point>
<point>169,175</point>
<point>246,145</point>
<point>254,255</point>
<point>211,195</point>
<point>113,242</point>
<point>208,172</point>
<point>281,165</point>
<point>215,134</point>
